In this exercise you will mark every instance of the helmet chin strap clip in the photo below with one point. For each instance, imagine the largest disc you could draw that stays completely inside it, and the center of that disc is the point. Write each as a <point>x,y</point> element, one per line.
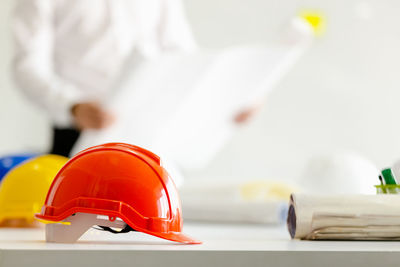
<point>79,223</point>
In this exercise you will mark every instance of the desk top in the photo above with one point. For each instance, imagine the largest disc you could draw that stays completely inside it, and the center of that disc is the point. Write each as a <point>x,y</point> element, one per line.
<point>224,245</point>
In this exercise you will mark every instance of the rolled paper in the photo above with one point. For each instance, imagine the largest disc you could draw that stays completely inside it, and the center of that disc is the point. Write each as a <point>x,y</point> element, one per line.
<point>344,217</point>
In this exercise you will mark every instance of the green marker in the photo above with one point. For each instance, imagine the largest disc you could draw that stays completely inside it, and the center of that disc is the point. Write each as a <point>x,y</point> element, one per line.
<point>388,176</point>
<point>390,181</point>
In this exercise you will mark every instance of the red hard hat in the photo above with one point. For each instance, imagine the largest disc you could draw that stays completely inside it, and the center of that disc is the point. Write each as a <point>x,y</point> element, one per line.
<point>119,181</point>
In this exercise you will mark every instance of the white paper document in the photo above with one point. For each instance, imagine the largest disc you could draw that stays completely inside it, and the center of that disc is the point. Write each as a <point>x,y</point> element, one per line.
<point>183,106</point>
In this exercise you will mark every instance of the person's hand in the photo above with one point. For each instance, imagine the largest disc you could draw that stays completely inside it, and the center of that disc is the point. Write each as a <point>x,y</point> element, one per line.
<point>245,115</point>
<point>91,115</point>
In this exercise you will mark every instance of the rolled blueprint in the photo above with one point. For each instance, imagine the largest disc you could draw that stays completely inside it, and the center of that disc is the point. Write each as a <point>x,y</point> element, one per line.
<point>344,217</point>
<point>262,212</point>
<point>260,202</point>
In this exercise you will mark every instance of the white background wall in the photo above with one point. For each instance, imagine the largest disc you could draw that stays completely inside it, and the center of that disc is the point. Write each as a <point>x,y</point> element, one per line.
<point>343,94</point>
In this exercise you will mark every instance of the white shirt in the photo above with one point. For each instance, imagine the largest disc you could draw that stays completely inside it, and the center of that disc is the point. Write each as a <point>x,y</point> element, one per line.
<point>68,51</point>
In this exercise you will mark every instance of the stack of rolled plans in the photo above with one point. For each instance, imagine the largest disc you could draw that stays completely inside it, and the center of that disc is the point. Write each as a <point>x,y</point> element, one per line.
<point>344,217</point>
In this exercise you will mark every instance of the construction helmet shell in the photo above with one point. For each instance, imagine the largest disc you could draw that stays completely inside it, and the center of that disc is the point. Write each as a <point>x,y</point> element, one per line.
<point>122,183</point>
<point>23,189</point>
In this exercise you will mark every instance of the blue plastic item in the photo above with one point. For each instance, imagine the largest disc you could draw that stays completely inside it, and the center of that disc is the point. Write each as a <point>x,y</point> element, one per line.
<point>9,162</point>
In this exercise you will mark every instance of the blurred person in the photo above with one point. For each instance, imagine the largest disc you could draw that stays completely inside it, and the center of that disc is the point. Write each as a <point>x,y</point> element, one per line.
<point>70,53</point>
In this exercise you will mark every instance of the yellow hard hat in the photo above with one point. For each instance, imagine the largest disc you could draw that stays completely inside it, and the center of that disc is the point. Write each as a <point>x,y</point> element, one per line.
<point>24,189</point>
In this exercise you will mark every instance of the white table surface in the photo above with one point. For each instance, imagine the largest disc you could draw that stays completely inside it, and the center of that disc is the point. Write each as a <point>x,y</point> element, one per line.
<point>224,245</point>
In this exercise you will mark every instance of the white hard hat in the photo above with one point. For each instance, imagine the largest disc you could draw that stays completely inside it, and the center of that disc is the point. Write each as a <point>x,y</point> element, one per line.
<point>340,173</point>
